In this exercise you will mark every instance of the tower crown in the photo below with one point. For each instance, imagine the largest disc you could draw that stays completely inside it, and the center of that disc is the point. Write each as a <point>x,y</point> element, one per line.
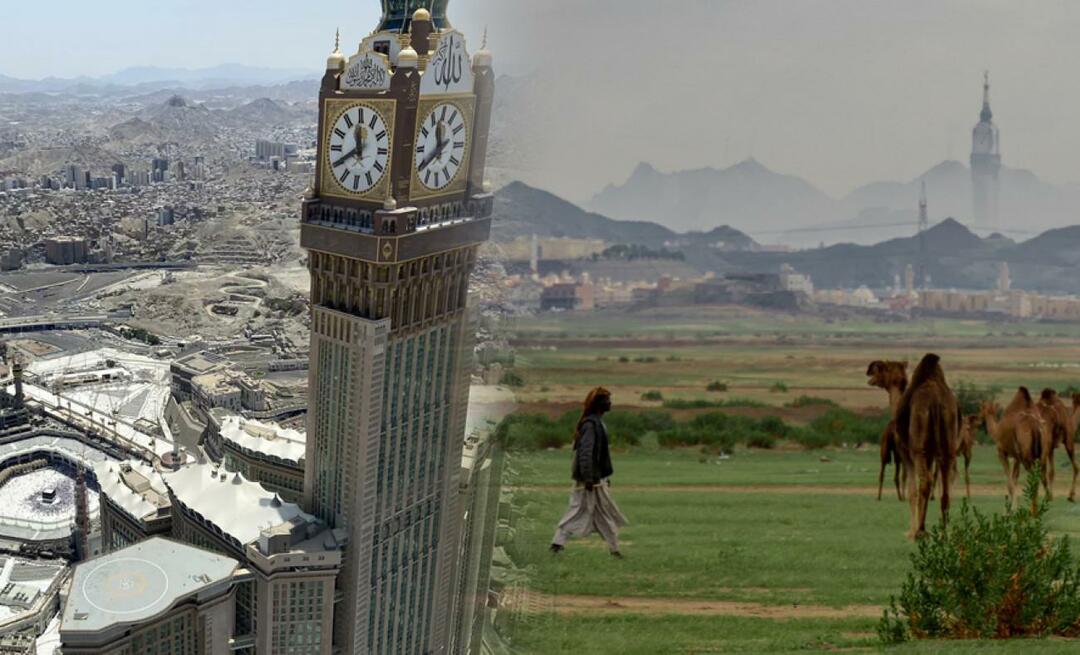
<point>986,115</point>
<point>397,14</point>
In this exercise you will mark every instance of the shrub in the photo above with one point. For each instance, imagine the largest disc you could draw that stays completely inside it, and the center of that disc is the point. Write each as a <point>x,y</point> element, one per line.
<point>971,396</point>
<point>810,401</point>
<point>512,379</point>
<point>761,440</point>
<point>646,360</point>
<point>701,403</point>
<point>985,577</point>
<point>624,359</point>
<point>716,386</point>
<point>653,395</point>
<point>837,427</point>
<point>778,387</point>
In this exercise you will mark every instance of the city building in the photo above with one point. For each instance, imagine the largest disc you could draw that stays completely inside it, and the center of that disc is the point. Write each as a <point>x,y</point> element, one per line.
<point>392,227</point>
<point>134,503</point>
<point>184,370</point>
<point>263,452</point>
<point>985,165</point>
<point>567,296</point>
<point>65,250</point>
<point>287,606</point>
<point>154,597</point>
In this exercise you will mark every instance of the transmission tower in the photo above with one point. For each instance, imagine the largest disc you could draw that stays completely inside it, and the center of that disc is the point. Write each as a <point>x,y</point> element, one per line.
<point>924,225</point>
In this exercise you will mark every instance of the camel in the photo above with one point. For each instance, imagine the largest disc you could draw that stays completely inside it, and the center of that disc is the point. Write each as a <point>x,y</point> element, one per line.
<point>969,425</point>
<point>892,377</point>
<point>1021,436</point>
<point>927,426</point>
<point>1063,429</point>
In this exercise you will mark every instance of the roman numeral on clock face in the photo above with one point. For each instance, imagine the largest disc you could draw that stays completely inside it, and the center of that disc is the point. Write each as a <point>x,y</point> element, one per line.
<point>348,121</point>
<point>340,133</point>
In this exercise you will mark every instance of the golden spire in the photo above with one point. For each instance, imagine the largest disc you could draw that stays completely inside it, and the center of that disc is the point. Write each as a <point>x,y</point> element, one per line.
<point>483,46</point>
<point>336,60</point>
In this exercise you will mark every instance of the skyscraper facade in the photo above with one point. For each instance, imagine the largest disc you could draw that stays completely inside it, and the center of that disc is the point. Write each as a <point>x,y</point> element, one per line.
<point>985,164</point>
<point>392,227</point>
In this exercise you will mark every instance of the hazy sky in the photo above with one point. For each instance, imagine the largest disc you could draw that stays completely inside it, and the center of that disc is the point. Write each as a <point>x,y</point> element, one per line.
<point>840,92</point>
<point>67,38</point>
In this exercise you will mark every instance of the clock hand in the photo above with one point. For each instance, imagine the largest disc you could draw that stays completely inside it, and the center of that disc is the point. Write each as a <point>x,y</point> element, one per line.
<point>359,134</point>
<point>344,157</point>
<point>439,147</point>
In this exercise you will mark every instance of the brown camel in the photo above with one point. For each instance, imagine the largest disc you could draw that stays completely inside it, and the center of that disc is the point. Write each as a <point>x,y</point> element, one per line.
<point>1021,436</point>
<point>892,377</point>
<point>965,446</point>
<point>927,424</point>
<point>1060,421</point>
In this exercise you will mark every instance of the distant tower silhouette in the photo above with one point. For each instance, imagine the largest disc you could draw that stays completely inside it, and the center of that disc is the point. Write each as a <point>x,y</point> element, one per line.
<point>985,164</point>
<point>924,225</point>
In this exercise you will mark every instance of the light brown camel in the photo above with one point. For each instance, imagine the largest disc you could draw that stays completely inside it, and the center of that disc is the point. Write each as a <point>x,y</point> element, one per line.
<point>969,425</point>
<point>892,377</point>
<point>1021,436</point>
<point>927,426</point>
<point>1063,430</point>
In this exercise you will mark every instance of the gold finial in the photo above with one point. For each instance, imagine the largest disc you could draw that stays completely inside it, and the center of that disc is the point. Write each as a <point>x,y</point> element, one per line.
<point>483,46</point>
<point>336,60</point>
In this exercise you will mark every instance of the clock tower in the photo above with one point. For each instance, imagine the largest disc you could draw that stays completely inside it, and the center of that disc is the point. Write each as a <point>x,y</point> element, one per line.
<point>985,164</point>
<point>392,226</point>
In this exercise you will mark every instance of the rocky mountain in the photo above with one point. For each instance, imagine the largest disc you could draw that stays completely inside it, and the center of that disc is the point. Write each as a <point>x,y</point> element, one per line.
<point>521,210</point>
<point>786,209</point>
<point>744,195</point>
<point>264,111</point>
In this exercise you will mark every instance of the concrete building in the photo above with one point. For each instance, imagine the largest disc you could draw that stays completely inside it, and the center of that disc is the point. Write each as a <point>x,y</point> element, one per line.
<point>134,504</point>
<point>66,250</point>
<point>567,296</point>
<point>287,606</point>
<point>185,369</point>
<point>215,389</point>
<point>155,597</point>
<point>263,452</point>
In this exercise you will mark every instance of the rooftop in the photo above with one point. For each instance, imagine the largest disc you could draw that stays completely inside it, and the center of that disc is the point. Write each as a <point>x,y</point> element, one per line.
<point>131,584</point>
<point>266,438</point>
<point>240,508</point>
<point>134,486</point>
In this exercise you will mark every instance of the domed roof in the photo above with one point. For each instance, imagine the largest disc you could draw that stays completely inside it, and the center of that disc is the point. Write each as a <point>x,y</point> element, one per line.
<point>398,14</point>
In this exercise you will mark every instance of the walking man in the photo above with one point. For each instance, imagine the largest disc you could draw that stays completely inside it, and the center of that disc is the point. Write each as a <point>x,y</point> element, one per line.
<point>592,509</point>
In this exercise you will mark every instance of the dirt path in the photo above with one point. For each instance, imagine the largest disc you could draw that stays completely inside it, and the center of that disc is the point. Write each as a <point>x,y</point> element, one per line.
<point>689,606</point>
<point>784,489</point>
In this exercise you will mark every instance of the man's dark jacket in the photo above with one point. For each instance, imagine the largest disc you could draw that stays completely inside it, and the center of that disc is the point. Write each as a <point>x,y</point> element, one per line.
<point>592,458</point>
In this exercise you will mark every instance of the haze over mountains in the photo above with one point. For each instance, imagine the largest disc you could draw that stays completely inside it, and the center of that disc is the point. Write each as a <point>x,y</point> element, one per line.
<point>149,77</point>
<point>777,208</point>
<point>954,256</point>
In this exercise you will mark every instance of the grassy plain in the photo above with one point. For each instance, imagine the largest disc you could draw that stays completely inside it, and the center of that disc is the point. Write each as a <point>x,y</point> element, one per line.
<point>773,551</point>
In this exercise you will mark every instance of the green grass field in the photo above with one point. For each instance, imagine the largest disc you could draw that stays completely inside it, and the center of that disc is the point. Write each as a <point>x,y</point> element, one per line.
<point>777,551</point>
<point>820,539</point>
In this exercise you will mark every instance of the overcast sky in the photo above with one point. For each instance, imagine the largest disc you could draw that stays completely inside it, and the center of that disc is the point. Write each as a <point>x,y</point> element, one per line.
<point>840,92</point>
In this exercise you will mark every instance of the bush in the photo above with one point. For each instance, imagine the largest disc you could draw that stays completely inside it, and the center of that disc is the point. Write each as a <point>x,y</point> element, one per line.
<point>986,577</point>
<point>512,379</point>
<point>811,401</point>
<point>778,387</point>
<point>624,359</point>
<point>971,396</point>
<point>701,403</point>
<point>653,395</point>
<point>716,386</point>
<point>838,427</point>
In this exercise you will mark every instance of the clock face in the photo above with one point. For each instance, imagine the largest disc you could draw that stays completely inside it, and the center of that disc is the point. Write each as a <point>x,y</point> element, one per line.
<point>358,149</point>
<point>440,146</point>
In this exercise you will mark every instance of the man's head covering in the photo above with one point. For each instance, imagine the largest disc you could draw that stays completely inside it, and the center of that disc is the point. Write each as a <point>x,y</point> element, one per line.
<point>590,401</point>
